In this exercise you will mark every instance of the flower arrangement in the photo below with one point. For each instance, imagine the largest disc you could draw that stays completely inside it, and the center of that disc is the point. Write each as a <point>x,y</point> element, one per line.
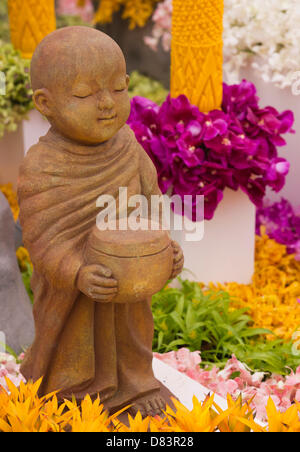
<point>17,101</point>
<point>274,295</point>
<point>282,223</point>
<point>137,11</point>
<point>262,34</point>
<point>237,380</point>
<point>21,410</point>
<point>202,154</point>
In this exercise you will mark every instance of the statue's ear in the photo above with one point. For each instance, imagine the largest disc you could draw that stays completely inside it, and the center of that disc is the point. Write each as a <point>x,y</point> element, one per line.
<point>43,101</point>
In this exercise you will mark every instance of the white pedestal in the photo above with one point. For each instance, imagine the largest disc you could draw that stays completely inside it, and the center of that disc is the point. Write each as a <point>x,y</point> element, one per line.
<point>182,386</point>
<point>33,129</point>
<point>14,145</point>
<point>11,155</point>
<point>226,252</point>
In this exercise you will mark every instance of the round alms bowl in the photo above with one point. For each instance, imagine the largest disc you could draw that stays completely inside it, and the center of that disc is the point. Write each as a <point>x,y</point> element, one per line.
<point>141,261</point>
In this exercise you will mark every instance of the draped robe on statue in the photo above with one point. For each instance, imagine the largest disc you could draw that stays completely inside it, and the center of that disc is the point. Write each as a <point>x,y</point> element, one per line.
<point>82,346</point>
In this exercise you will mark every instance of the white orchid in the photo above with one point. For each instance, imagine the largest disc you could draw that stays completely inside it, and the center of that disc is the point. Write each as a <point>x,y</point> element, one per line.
<point>265,34</point>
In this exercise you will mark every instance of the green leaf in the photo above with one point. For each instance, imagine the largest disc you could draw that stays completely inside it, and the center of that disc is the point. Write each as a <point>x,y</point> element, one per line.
<point>235,375</point>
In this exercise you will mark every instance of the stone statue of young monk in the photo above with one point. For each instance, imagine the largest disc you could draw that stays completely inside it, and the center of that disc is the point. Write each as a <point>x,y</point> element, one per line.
<point>84,342</point>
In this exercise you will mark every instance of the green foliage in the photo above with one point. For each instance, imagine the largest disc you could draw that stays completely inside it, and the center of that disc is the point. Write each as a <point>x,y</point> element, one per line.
<point>188,317</point>
<point>140,85</point>
<point>70,21</point>
<point>4,26</point>
<point>269,356</point>
<point>17,101</point>
<point>26,276</point>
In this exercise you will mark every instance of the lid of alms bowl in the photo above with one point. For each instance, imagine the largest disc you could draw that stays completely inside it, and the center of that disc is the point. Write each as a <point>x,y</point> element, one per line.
<point>129,243</point>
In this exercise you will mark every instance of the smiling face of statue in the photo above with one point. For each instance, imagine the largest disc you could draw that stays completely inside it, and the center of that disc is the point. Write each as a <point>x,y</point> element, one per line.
<point>85,97</point>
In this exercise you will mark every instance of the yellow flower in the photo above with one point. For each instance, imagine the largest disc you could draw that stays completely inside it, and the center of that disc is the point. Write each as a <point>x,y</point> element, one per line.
<point>193,335</point>
<point>137,11</point>
<point>137,424</point>
<point>163,326</point>
<point>289,421</point>
<point>23,258</point>
<point>199,419</point>
<point>22,410</point>
<point>11,197</point>
<point>238,418</point>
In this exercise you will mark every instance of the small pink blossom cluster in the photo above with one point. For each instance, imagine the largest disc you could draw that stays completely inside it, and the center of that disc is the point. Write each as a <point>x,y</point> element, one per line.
<point>162,18</point>
<point>10,368</point>
<point>236,379</point>
<point>84,9</point>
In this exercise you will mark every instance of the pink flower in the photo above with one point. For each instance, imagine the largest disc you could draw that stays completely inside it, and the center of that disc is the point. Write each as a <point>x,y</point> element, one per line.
<point>3,372</point>
<point>161,31</point>
<point>227,387</point>
<point>283,390</point>
<point>11,369</point>
<point>74,8</point>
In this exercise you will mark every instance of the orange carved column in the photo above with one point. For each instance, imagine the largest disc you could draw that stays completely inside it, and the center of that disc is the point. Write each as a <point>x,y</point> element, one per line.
<point>30,21</point>
<point>197,52</point>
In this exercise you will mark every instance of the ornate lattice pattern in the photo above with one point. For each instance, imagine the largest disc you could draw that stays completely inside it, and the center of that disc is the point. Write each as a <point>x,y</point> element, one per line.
<point>197,52</point>
<point>30,22</point>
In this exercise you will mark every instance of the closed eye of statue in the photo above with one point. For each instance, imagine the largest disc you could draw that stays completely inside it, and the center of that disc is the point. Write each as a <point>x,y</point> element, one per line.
<point>81,96</point>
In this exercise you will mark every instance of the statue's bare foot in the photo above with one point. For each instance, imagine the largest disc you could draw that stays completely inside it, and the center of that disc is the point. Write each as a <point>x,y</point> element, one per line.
<point>150,405</point>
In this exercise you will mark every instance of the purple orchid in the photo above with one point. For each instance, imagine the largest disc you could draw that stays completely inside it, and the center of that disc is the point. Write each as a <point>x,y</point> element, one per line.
<point>282,223</point>
<point>202,154</point>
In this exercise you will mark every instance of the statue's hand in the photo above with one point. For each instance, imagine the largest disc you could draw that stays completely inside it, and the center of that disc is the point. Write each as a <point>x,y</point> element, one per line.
<point>96,282</point>
<point>178,260</point>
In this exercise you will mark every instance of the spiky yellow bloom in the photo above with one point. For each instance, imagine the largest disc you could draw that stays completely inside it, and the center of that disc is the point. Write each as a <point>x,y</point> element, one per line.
<point>238,418</point>
<point>11,197</point>
<point>289,421</point>
<point>53,417</point>
<point>137,11</point>
<point>200,419</point>
<point>273,295</point>
<point>137,424</point>
<point>21,410</point>
<point>89,417</point>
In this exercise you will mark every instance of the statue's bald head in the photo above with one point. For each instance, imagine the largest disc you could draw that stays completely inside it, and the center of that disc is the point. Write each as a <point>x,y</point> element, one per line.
<point>79,79</point>
<point>67,51</point>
